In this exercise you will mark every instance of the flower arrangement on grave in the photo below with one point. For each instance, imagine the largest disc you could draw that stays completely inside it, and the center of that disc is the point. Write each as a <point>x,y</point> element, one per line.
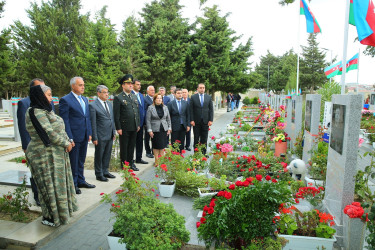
<point>354,210</point>
<point>253,203</point>
<point>141,220</point>
<point>312,223</point>
<point>312,194</point>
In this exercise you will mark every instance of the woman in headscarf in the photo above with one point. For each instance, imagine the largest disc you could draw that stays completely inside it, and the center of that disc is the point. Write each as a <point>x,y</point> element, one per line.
<point>48,156</point>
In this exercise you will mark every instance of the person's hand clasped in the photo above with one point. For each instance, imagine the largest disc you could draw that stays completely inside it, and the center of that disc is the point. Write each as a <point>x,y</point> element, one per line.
<point>69,148</point>
<point>209,123</point>
<point>119,131</point>
<point>151,134</point>
<point>95,142</point>
<point>169,132</point>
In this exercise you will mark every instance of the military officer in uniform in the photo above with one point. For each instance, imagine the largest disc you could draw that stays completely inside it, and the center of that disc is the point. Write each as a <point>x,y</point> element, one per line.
<point>127,123</point>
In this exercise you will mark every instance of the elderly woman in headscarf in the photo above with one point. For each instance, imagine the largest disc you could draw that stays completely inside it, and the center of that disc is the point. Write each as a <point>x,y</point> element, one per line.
<point>48,156</point>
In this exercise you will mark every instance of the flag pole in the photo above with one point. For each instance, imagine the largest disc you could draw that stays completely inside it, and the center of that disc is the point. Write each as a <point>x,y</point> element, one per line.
<point>346,28</point>
<point>298,47</point>
<point>359,53</point>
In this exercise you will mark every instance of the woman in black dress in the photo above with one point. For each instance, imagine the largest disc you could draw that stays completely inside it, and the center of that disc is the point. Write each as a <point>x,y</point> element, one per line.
<point>158,123</point>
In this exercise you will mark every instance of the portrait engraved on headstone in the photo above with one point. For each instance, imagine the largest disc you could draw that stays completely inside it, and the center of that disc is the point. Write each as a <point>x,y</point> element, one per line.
<point>338,126</point>
<point>308,115</point>
<point>293,111</point>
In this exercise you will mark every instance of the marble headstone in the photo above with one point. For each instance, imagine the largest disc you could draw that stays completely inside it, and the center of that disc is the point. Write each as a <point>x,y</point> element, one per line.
<point>327,115</point>
<point>312,120</point>
<point>288,110</point>
<point>15,177</point>
<point>372,101</point>
<point>342,156</point>
<point>296,119</point>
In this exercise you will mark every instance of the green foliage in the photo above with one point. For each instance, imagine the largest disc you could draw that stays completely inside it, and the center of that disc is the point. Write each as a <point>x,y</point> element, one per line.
<point>242,214</point>
<point>287,225</point>
<point>246,127</point>
<point>246,101</point>
<point>326,91</point>
<point>267,243</point>
<point>298,148</point>
<point>296,185</point>
<point>366,196</point>
<point>188,183</point>
<point>142,220</point>
<point>200,202</point>
<point>318,169</point>
<point>132,52</point>
<point>16,203</point>
<point>98,58</point>
<point>6,63</point>
<point>312,65</point>
<point>164,37</point>
<point>49,46</point>
<point>218,184</point>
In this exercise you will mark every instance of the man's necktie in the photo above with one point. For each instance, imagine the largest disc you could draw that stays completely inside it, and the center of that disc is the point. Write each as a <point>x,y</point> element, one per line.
<point>201,95</point>
<point>139,99</point>
<point>106,107</point>
<point>82,104</point>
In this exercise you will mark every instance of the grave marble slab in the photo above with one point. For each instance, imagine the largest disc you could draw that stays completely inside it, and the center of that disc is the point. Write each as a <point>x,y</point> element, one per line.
<point>15,177</point>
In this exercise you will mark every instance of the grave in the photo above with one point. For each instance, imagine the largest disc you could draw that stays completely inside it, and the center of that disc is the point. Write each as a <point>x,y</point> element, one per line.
<point>372,101</point>
<point>312,120</point>
<point>288,110</point>
<point>296,119</point>
<point>342,157</point>
<point>15,177</point>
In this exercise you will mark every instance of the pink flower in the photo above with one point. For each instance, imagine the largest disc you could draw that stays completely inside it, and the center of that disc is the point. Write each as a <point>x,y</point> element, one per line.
<point>361,140</point>
<point>101,193</point>
<point>213,137</point>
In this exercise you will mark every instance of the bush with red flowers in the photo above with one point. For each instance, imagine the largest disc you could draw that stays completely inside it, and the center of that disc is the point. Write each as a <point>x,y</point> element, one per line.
<point>141,220</point>
<point>242,213</point>
<point>354,210</point>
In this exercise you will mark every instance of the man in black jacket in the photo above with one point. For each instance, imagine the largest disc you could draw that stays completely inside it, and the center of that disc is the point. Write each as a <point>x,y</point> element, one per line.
<point>201,115</point>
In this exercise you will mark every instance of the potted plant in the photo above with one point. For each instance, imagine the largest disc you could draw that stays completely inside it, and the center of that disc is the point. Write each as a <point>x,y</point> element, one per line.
<point>214,186</point>
<point>318,165</point>
<point>354,226</point>
<point>307,230</point>
<point>243,213</point>
<point>141,220</point>
<point>312,194</point>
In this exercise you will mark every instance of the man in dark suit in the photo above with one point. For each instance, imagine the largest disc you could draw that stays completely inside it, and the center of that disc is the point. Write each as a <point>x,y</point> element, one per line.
<point>74,110</point>
<point>180,118</point>
<point>142,115</point>
<point>185,97</point>
<point>103,132</point>
<point>23,105</point>
<point>148,101</point>
<point>202,115</point>
<point>127,122</point>
<point>166,99</point>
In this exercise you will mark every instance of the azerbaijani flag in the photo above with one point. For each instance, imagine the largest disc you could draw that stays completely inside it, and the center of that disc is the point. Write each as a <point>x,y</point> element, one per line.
<point>312,24</point>
<point>332,70</point>
<point>362,16</point>
<point>351,64</point>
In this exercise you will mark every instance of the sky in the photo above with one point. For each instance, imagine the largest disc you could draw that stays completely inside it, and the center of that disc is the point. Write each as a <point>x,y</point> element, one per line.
<point>273,27</point>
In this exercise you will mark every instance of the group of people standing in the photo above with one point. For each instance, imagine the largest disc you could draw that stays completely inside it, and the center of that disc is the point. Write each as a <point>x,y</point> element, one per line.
<point>233,101</point>
<point>56,145</point>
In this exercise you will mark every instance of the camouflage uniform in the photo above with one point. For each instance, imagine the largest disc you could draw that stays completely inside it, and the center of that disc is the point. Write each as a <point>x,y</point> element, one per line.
<point>126,115</point>
<point>50,167</point>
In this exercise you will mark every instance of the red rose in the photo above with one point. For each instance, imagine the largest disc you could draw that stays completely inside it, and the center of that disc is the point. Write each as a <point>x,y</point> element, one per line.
<point>258,177</point>
<point>232,187</point>
<point>239,183</point>
<point>183,151</point>
<point>268,177</point>
<point>205,209</point>
<point>228,195</point>
<point>296,200</point>
<point>212,204</point>
<point>203,220</point>
<point>23,161</point>
<point>210,210</point>
<point>204,159</point>
<point>101,193</point>
<point>245,183</point>
<point>204,214</point>
<point>198,224</point>
<point>274,180</point>
<point>126,163</point>
<point>196,149</point>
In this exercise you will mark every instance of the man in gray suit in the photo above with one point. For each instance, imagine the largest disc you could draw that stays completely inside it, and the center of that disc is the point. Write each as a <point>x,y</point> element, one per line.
<point>103,132</point>
<point>180,118</point>
<point>173,92</point>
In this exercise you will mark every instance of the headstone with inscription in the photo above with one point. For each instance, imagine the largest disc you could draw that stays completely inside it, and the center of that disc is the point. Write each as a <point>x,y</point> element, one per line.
<point>288,110</point>
<point>372,101</point>
<point>342,157</point>
<point>312,120</point>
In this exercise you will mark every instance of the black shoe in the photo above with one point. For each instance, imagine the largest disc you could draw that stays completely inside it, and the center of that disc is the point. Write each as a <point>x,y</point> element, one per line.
<point>109,175</point>
<point>150,155</point>
<point>134,167</point>
<point>78,191</point>
<point>37,202</point>
<point>101,178</point>
<point>141,161</point>
<point>188,149</point>
<point>86,185</point>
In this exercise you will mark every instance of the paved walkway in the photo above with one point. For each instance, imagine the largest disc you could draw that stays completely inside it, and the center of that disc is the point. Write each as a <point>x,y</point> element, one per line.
<point>90,231</point>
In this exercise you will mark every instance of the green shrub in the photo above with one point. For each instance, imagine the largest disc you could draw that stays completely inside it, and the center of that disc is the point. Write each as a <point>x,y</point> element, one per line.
<point>246,101</point>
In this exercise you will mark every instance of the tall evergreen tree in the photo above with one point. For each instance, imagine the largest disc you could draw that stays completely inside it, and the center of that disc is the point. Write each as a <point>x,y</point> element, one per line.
<point>267,66</point>
<point>312,65</point>
<point>99,58</point>
<point>49,45</point>
<point>164,35</point>
<point>212,50</point>
<point>133,56</point>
